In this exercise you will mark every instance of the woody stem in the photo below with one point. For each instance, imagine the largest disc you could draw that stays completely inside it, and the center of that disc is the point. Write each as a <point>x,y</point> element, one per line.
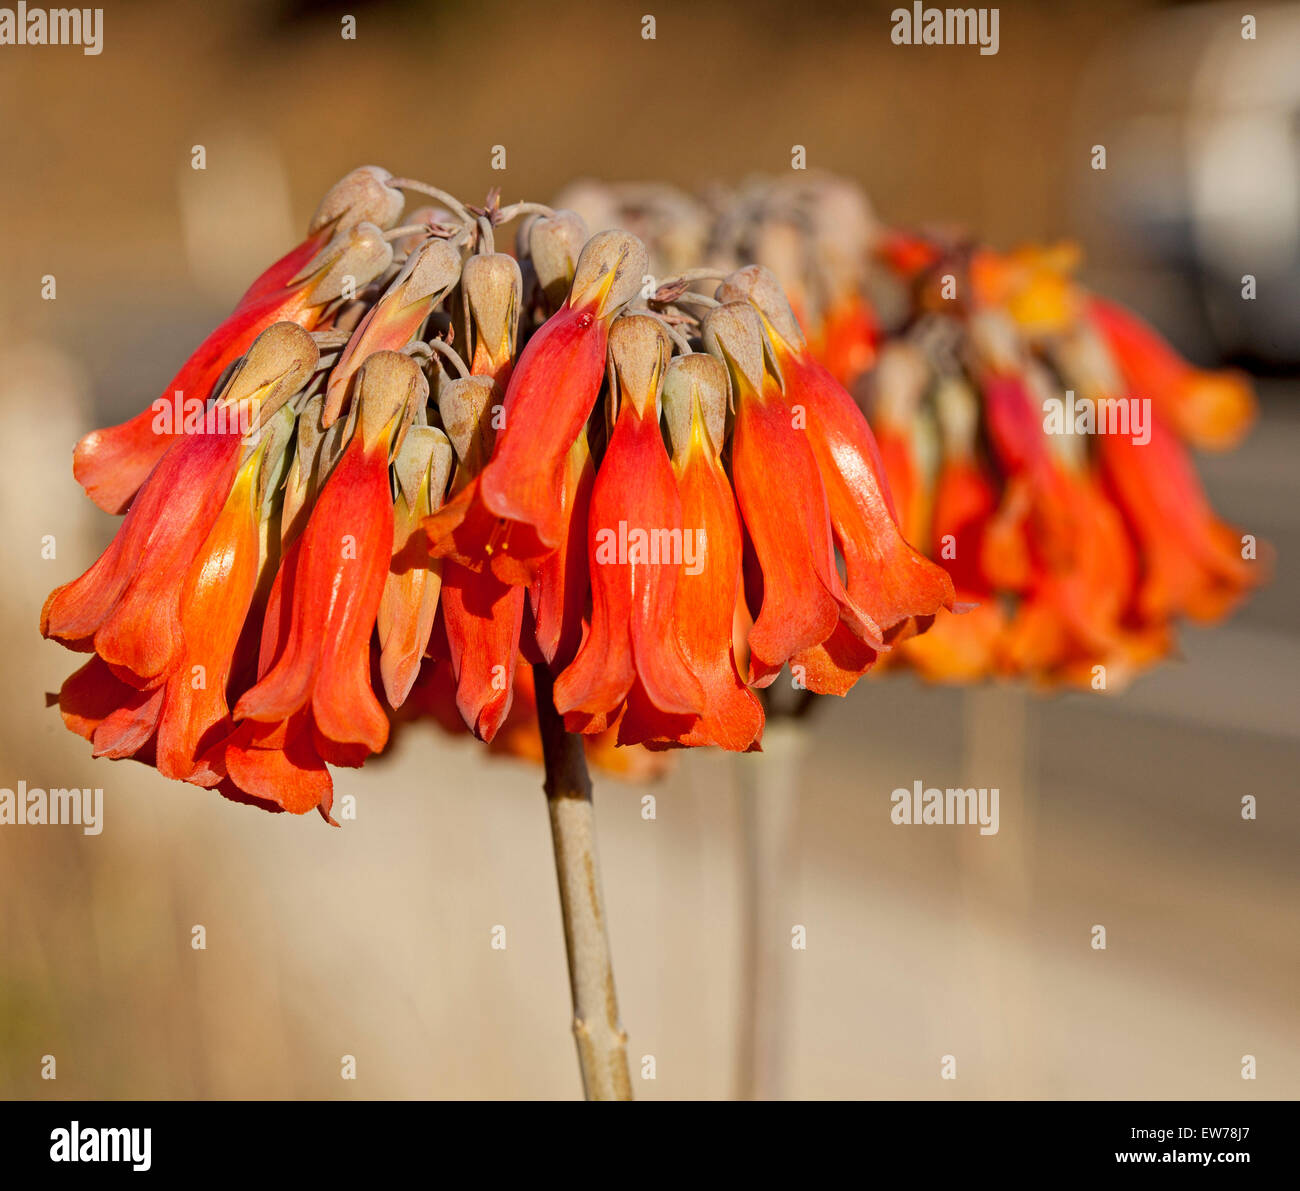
<point>601,1040</point>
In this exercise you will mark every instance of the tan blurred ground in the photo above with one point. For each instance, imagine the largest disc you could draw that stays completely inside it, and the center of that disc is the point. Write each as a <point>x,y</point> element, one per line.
<point>374,940</point>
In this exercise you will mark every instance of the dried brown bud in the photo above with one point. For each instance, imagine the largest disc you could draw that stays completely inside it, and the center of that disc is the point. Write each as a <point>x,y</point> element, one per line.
<point>554,245</point>
<point>389,387</point>
<point>361,196</point>
<point>279,363</point>
<point>350,261</point>
<point>758,285</point>
<point>695,382</point>
<point>639,347</point>
<point>423,467</point>
<point>493,288</point>
<point>734,333</point>
<point>610,273</point>
<point>465,404</point>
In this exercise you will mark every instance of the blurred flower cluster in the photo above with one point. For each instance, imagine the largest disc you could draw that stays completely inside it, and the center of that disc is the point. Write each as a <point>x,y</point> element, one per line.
<point>1034,435</point>
<point>410,465</point>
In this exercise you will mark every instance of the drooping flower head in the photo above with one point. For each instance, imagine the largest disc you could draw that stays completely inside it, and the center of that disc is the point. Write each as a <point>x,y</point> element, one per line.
<point>422,467</point>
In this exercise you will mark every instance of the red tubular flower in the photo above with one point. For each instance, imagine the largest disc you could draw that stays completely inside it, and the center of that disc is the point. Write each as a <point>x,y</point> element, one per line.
<point>807,617</point>
<point>558,596</point>
<point>897,587</point>
<point>127,606</point>
<point>632,659</point>
<point>410,599</point>
<point>708,587</point>
<point>101,610</point>
<point>484,618</point>
<point>554,386</point>
<point>961,648</point>
<point>215,601</point>
<point>392,322</point>
<point>1076,560</point>
<point>465,530</point>
<point>118,719</point>
<point>1193,562</point>
<point>112,463</point>
<point>483,614</point>
<point>1209,409</point>
<point>172,718</point>
<point>1190,563</point>
<point>313,702</point>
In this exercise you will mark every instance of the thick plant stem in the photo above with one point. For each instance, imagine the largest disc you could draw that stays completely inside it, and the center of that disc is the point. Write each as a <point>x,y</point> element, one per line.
<point>601,1039</point>
<point>769,792</point>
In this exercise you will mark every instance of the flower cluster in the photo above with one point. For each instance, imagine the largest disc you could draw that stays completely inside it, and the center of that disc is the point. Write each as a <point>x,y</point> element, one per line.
<point>1034,435</point>
<point>408,462</point>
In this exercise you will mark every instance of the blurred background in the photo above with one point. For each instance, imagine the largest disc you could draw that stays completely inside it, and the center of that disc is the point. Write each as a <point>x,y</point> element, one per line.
<point>374,940</point>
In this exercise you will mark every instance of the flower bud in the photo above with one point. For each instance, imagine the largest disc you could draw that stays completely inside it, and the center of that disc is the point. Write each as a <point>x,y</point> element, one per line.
<point>361,253</point>
<point>698,378</point>
<point>316,452</point>
<point>279,363</point>
<point>423,467</point>
<point>389,387</point>
<point>554,245</point>
<point>361,196</point>
<point>465,404</point>
<point>493,288</point>
<point>639,347</point>
<point>759,286</point>
<point>424,280</point>
<point>273,440</point>
<point>734,333</point>
<point>610,273</point>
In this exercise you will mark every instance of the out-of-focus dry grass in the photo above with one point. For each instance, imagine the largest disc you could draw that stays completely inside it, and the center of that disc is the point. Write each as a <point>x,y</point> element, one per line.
<point>374,940</point>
